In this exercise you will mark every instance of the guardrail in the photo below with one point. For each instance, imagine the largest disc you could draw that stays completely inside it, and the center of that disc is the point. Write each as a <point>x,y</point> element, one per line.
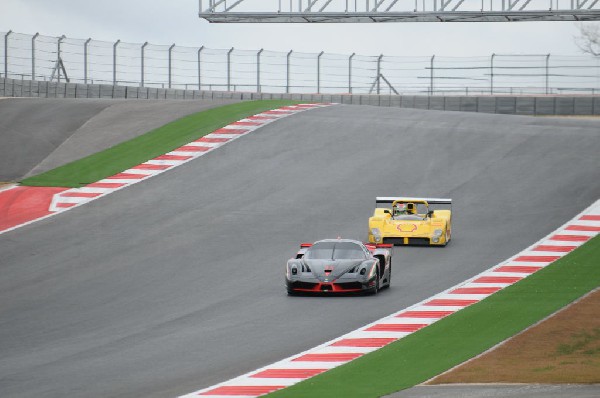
<point>519,105</point>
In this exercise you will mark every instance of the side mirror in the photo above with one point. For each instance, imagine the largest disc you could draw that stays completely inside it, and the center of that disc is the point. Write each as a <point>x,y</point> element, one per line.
<point>387,212</point>
<point>430,213</point>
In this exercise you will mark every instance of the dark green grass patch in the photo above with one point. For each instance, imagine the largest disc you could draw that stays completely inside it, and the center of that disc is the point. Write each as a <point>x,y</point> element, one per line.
<point>150,145</point>
<point>461,336</point>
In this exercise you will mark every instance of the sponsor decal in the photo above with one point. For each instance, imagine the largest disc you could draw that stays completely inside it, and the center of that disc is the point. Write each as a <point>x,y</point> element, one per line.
<point>407,227</point>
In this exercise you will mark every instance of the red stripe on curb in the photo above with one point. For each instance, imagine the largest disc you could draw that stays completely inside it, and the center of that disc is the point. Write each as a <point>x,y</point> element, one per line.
<point>396,327</point>
<point>498,279</point>
<point>246,124</point>
<point>213,140</point>
<point>366,342</point>
<point>148,166</point>
<point>590,217</point>
<point>519,269</point>
<point>288,373</point>
<point>65,205</point>
<point>192,148</point>
<point>450,303</point>
<point>24,204</point>
<point>424,314</point>
<point>552,248</point>
<point>344,357</point>
<point>127,176</point>
<point>475,290</point>
<point>230,131</point>
<point>537,259</point>
<point>79,195</point>
<point>570,238</point>
<point>173,157</point>
<point>110,185</point>
<point>582,228</point>
<point>277,113</point>
<point>243,390</point>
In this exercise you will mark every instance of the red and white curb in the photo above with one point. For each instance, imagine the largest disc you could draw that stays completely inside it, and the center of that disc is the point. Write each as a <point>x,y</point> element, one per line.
<point>371,337</point>
<point>25,205</point>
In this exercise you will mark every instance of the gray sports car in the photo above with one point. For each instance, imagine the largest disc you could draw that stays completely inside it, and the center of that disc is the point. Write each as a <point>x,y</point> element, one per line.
<point>339,266</point>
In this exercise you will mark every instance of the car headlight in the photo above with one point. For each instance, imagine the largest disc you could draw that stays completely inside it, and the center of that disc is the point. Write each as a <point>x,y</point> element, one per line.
<point>437,233</point>
<point>376,234</point>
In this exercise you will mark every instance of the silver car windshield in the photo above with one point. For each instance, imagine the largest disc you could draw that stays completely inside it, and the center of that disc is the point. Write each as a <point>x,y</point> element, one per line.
<point>335,251</point>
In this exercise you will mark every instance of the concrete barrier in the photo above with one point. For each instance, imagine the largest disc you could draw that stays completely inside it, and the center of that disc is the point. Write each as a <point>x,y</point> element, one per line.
<point>517,105</point>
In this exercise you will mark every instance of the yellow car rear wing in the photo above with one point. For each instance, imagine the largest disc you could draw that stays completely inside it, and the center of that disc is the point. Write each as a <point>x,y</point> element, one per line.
<point>431,201</point>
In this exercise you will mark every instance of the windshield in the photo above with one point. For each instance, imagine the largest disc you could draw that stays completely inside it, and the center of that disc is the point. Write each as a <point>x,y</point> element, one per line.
<point>335,251</point>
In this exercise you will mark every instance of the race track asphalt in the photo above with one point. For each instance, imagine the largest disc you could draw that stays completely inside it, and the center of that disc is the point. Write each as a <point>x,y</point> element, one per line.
<point>176,283</point>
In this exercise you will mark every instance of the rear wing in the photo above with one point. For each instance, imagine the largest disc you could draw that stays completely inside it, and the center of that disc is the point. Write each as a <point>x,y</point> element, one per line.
<point>431,201</point>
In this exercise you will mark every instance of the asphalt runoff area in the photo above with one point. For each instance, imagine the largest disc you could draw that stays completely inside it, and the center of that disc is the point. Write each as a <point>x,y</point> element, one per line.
<point>176,283</point>
<point>38,134</point>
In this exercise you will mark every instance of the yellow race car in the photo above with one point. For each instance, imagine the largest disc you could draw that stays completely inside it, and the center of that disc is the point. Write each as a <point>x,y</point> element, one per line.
<point>410,221</point>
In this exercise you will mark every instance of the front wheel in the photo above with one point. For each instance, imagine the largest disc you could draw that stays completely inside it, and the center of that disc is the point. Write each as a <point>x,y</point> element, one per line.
<point>375,289</point>
<point>389,279</point>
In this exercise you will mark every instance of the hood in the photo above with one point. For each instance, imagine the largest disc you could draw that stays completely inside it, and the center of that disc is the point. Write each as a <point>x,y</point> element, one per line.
<point>330,270</point>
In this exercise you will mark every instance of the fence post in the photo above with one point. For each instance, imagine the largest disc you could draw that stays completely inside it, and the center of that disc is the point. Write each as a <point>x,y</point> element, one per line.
<point>170,63</point>
<point>319,72</point>
<point>6,54</point>
<point>492,74</point>
<point>229,69</point>
<point>350,73</point>
<point>287,84</point>
<point>431,76</point>
<point>85,60</point>
<point>379,74</point>
<point>199,69</point>
<point>33,56</point>
<point>59,58</point>
<point>115,62</point>
<point>143,80</point>
<point>258,89</point>
<point>547,73</point>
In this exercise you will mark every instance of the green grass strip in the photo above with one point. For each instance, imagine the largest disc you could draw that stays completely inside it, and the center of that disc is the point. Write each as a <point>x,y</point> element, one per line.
<point>150,145</point>
<point>461,336</point>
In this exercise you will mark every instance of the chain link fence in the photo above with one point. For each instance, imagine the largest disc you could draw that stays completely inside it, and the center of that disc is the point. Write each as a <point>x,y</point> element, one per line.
<point>89,61</point>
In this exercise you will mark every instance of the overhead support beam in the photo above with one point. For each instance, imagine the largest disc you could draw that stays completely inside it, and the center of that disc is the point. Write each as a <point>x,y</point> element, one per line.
<point>368,11</point>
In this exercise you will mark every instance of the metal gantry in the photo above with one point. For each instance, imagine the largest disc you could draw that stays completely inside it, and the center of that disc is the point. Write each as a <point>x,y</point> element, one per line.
<point>328,11</point>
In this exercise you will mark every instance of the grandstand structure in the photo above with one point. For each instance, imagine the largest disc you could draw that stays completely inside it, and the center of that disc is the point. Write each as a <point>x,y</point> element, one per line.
<point>368,11</point>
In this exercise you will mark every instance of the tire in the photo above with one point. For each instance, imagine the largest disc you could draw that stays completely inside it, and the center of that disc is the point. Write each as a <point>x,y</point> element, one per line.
<point>389,282</point>
<point>375,290</point>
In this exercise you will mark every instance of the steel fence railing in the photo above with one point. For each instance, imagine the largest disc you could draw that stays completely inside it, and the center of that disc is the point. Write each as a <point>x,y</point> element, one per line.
<point>39,57</point>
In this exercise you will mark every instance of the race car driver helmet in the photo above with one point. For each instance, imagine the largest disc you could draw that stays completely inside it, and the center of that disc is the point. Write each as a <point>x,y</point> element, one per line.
<point>399,209</point>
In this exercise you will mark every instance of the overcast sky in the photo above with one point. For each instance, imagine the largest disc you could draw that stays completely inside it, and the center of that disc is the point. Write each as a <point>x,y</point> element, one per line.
<point>176,21</point>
